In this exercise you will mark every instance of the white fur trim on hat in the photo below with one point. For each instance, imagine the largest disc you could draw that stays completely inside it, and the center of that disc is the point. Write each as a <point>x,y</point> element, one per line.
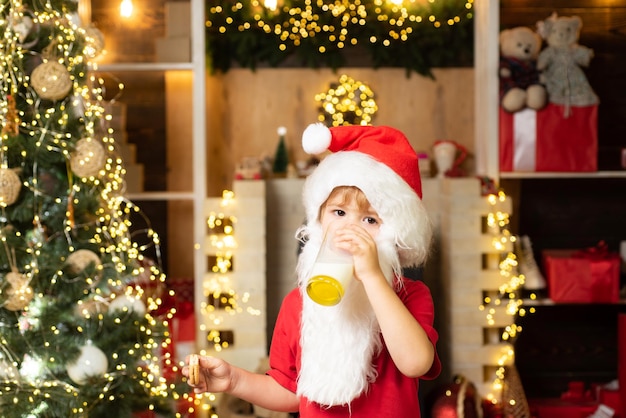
<point>316,138</point>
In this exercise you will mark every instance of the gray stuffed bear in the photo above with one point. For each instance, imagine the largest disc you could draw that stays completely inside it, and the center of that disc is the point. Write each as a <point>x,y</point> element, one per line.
<point>561,61</point>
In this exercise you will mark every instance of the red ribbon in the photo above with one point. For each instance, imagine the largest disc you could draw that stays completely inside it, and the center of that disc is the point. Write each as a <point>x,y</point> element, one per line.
<point>599,252</point>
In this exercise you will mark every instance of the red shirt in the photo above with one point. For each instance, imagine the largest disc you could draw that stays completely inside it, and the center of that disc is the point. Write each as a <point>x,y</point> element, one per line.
<point>392,395</point>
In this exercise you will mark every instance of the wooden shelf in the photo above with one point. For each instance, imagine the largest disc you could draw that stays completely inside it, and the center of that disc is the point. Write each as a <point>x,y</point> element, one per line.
<point>550,302</point>
<point>148,66</point>
<point>548,175</point>
<point>161,196</point>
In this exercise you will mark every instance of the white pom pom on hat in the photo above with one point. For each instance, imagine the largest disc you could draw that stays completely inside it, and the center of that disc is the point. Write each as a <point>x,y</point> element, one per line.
<point>316,138</point>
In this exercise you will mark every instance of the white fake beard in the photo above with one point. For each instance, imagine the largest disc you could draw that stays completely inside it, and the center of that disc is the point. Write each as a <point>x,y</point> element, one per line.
<point>339,342</point>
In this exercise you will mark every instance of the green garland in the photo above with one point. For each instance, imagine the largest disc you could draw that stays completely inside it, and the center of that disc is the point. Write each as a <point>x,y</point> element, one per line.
<point>236,38</point>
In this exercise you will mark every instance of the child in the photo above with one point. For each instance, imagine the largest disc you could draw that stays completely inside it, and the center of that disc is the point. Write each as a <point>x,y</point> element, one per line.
<point>363,357</point>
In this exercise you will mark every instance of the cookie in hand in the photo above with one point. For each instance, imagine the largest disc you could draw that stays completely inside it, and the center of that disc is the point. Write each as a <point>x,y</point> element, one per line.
<point>194,370</point>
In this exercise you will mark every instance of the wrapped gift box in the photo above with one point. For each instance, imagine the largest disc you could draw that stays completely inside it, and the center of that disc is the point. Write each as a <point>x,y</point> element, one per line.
<point>578,401</point>
<point>549,139</point>
<point>582,276</point>
<point>558,408</point>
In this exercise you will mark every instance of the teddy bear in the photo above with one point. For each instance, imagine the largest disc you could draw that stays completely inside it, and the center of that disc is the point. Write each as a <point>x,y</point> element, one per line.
<point>561,60</point>
<point>520,86</point>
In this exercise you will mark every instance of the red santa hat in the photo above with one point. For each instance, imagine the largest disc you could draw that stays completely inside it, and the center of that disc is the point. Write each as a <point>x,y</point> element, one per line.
<point>381,162</point>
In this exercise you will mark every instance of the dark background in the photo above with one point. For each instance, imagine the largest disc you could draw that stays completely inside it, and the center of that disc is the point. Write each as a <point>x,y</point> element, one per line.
<point>561,343</point>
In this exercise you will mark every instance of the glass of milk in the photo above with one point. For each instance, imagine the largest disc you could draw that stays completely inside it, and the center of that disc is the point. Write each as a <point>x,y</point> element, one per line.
<point>331,273</point>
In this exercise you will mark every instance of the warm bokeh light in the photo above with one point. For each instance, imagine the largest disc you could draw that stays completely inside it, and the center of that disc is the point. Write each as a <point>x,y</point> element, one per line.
<point>348,102</point>
<point>220,297</point>
<point>321,33</point>
<point>126,8</point>
<point>296,21</point>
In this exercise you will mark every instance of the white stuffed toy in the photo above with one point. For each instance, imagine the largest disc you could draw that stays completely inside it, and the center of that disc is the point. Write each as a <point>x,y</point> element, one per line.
<point>520,86</point>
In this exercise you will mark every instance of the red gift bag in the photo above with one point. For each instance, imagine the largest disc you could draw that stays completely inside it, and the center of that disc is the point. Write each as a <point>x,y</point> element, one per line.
<point>548,140</point>
<point>184,331</point>
<point>590,276</point>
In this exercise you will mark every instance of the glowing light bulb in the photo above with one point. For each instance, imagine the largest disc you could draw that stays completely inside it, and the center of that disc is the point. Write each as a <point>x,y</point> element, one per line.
<point>270,4</point>
<point>126,8</point>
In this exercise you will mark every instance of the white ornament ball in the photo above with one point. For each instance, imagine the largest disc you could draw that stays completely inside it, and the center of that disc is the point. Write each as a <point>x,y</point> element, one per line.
<point>22,26</point>
<point>91,362</point>
<point>95,41</point>
<point>75,19</point>
<point>77,106</point>
<point>10,186</point>
<point>51,80</point>
<point>88,158</point>
<point>79,260</point>
<point>127,303</point>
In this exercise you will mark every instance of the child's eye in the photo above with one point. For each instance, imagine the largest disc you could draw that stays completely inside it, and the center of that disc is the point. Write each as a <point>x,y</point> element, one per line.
<point>339,212</point>
<point>371,221</point>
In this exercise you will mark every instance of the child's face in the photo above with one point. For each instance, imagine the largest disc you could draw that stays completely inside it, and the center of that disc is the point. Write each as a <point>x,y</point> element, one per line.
<point>348,205</point>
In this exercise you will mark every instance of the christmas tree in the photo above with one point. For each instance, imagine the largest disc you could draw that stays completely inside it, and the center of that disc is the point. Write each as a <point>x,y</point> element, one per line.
<point>80,336</point>
<point>281,157</point>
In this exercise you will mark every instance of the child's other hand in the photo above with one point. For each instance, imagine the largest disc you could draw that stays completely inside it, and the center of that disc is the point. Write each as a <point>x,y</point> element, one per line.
<point>214,374</point>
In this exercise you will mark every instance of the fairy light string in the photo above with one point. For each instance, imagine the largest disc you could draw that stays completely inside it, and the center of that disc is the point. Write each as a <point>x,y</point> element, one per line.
<point>319,30</point>
<point>506,305</point>
<point>222,299</point>
<point>340,22</point>
<point>220,295</point>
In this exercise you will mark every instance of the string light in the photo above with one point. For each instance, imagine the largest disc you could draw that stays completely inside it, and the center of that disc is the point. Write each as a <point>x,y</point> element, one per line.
<point>126,8</point>
<point>316,31</point>
<point>221,238</point>
<point>220,297</point>
<point>339,22</point>
<point>508,298</point>
<point>270,4</point>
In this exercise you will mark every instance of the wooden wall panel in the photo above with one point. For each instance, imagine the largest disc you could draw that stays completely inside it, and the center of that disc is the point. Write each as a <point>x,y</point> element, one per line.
<point>245,108</point>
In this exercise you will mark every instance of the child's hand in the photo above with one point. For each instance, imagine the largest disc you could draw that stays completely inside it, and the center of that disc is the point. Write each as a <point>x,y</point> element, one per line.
<point>214,374</point>
<point>358,242</point>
